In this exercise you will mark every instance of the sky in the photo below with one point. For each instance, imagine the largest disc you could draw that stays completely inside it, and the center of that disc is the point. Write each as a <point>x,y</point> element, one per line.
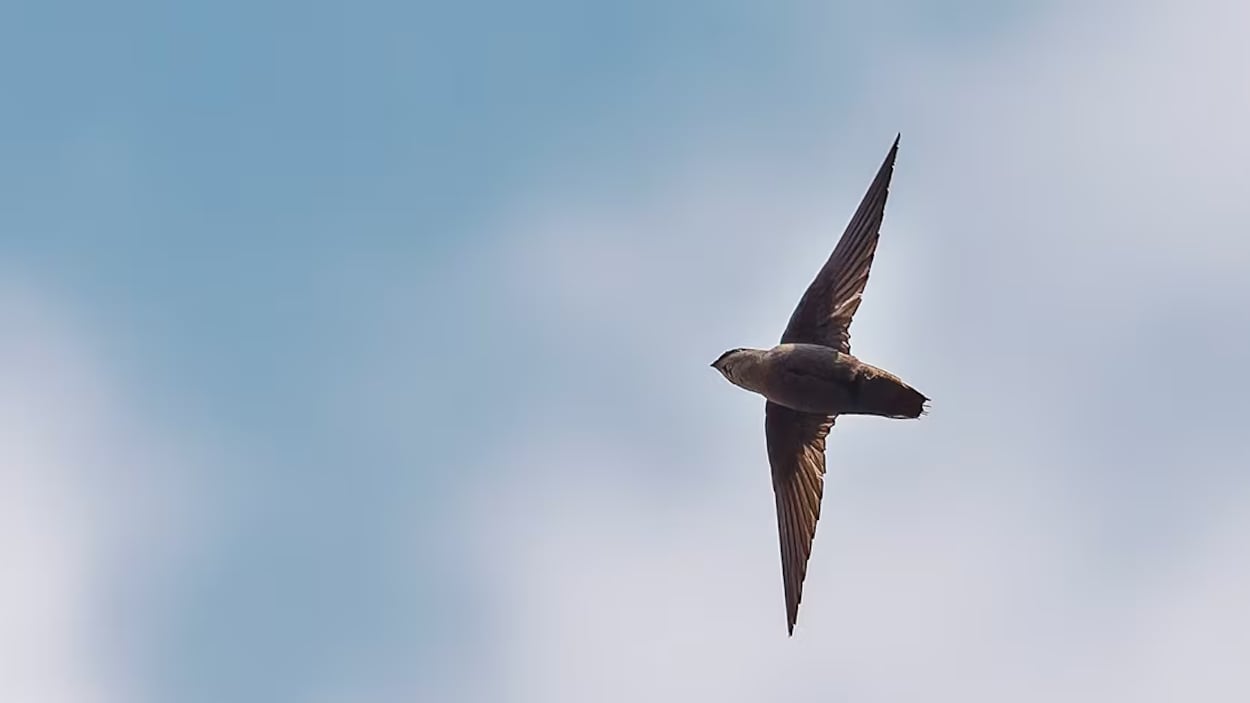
<point>360,352</point>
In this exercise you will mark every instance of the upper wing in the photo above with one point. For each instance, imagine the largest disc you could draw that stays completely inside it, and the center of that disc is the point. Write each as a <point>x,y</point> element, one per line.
<point>823,315</point>
<point>796,452</point>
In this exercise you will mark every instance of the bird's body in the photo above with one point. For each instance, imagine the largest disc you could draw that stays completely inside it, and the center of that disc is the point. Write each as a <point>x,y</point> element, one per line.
<point>810,378</point>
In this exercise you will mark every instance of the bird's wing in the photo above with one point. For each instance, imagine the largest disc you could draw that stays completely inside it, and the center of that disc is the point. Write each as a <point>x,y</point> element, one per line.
<point>796,452</point>
<point>823,315</point>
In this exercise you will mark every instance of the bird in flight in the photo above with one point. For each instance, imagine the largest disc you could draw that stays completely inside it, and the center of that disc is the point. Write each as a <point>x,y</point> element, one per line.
<point>810,378</point>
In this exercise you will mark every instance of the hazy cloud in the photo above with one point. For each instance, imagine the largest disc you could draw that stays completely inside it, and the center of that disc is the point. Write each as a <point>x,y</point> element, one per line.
<point>93,512</point>
<point>1066,222</point>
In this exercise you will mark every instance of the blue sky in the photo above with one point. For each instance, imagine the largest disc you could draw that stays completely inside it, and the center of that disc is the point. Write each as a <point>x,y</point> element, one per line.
<point>360,352</point>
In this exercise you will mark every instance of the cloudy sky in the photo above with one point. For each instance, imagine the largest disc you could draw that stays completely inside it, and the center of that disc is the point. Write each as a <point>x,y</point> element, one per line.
<point>360,352</point>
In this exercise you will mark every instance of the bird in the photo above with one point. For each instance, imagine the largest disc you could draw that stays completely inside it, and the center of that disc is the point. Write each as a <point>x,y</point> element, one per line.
<point>810,378</point>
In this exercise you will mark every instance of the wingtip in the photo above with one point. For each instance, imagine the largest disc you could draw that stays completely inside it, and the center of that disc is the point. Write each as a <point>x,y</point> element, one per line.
<point>887,164</point>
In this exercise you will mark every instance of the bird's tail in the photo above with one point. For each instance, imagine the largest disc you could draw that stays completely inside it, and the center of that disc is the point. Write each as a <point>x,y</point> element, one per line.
<point>886,395</point>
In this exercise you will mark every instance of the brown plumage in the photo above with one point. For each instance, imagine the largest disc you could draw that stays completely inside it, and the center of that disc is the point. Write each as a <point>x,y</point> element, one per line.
<point>810,378</point>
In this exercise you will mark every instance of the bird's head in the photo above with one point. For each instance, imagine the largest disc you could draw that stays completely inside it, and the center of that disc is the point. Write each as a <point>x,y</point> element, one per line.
<point>730,361</point>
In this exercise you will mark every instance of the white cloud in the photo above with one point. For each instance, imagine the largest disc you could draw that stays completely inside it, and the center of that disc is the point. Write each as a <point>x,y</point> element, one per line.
<point>612,589</point>
<point>87,512</point>
<point>1068,524</point>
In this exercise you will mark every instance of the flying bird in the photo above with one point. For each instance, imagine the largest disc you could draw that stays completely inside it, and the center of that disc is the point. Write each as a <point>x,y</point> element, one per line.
<point>810,378</point>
